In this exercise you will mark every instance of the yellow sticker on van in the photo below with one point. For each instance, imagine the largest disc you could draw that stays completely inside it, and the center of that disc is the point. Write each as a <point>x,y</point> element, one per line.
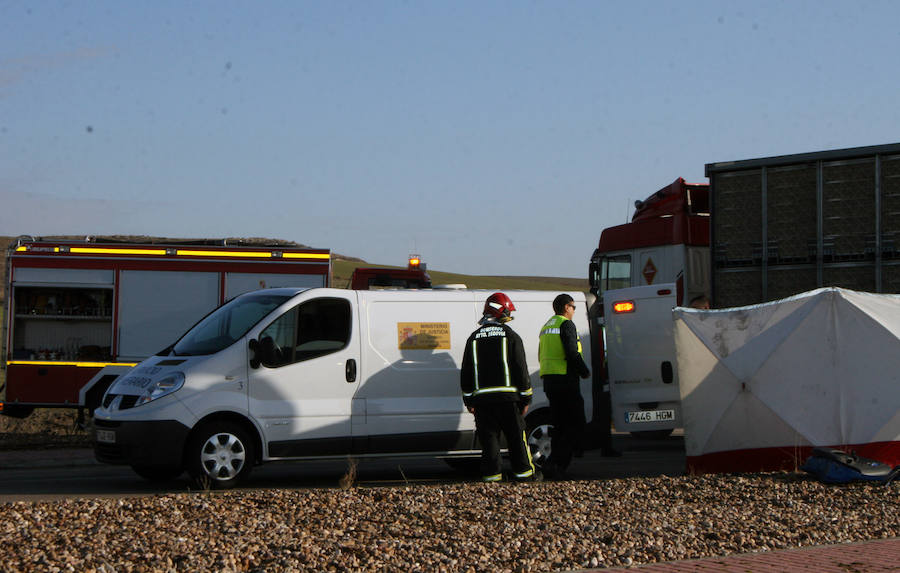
<point>423,335</point>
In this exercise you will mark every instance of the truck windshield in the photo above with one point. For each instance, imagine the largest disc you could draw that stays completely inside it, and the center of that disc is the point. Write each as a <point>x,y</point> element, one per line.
<point>227,324</point>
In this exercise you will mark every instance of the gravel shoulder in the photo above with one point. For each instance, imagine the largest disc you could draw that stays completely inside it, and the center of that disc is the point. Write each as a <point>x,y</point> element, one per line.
<point>550,526</point>
<point>458,527</point>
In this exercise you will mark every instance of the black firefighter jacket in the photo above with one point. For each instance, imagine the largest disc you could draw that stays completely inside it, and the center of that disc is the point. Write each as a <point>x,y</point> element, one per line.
<point>494,367</point>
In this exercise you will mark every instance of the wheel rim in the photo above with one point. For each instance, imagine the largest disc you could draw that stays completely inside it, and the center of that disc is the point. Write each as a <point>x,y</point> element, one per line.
<point>223,456</point>
<point>539,443</point>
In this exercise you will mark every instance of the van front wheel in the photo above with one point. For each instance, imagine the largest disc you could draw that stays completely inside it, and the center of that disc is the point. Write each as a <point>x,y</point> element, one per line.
<point>220,455</point>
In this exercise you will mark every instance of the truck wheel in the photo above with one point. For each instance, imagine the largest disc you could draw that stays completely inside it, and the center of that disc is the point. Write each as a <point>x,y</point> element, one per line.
<point>157,473</point>
<point>538,432</point>
<point>220,455</point>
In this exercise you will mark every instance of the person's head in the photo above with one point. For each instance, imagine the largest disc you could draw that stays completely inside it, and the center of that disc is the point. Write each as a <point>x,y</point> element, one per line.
<point>498,307</point>
<point>564,305</point>
<point>700,301</point>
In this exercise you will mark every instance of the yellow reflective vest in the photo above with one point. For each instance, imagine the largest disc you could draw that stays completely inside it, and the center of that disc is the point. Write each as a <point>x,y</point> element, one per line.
<point>550,349</point>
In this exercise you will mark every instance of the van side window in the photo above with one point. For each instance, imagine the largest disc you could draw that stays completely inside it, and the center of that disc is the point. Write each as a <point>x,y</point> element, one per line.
<point>312,329</point>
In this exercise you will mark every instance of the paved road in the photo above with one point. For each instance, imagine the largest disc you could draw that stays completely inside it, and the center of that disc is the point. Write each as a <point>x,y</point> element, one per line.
<point>70,473</point>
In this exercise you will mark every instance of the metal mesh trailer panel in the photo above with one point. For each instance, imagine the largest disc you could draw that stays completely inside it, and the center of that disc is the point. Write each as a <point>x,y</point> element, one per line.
<point>788,224</point>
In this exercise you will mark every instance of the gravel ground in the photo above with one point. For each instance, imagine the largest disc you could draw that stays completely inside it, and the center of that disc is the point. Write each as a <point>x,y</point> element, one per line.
<point>462,527</point>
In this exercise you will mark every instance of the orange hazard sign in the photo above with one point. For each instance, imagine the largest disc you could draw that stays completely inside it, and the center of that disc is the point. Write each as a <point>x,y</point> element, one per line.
<point>649,271</point>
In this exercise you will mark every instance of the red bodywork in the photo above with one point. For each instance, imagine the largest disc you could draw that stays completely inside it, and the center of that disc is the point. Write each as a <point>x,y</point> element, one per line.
<point>677,214</point>
<point>364,278</point>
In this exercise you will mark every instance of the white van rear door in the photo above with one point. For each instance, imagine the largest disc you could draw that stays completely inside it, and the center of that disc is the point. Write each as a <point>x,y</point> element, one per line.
<point>303,398</point>
<point>640,349</point>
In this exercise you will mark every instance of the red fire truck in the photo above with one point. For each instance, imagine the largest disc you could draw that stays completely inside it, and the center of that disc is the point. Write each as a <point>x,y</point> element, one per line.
<point>78,314</point>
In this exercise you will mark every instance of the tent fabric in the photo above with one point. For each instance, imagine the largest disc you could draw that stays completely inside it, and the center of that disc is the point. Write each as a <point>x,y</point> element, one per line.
<point>762,385</point>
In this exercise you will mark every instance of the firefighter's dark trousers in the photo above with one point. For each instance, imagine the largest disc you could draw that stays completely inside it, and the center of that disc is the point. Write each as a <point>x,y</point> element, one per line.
<point>567,417</point>
<point>491,420</point>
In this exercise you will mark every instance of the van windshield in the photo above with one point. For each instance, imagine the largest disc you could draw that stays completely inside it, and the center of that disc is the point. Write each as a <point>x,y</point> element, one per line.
<point>227,324</point>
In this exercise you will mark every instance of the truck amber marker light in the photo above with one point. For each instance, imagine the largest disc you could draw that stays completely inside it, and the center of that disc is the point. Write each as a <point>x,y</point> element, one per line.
<point>252,254</point>
<point>623,306</point>
<point>306,255</point>
<point>99,251</point>
<point>192,253</point>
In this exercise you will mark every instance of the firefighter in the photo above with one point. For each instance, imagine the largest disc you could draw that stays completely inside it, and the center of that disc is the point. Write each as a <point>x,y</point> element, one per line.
<point>496,388</point>
<point>562,364</point>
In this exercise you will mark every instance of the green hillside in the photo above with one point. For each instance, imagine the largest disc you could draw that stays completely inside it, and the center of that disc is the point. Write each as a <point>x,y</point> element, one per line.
<point>342,269</point>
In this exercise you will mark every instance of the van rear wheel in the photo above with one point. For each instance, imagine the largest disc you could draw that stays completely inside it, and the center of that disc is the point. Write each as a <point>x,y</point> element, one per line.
<point>220,455</point>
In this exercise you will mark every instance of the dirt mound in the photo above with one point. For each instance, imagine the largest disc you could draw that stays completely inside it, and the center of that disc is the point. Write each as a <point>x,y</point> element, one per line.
<point>44,428</point>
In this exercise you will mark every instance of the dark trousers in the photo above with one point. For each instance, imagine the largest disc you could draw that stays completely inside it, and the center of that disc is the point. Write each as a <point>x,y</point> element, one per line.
<point>567,417</point>
<point>492,420</point>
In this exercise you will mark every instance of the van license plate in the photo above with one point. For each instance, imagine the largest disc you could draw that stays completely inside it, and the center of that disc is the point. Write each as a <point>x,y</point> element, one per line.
<point>106,436</point>
<point>650,416</point>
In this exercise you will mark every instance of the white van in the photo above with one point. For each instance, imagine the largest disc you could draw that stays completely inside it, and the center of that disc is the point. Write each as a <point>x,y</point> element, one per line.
<point>640,353</point>
<point>294,373</point>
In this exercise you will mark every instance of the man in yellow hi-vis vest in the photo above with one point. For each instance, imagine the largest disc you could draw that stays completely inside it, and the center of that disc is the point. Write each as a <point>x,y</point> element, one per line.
<point>562,364</point>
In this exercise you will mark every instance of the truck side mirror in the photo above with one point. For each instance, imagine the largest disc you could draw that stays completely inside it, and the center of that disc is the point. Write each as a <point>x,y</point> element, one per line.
<point>254,353</point>
<point>594,278</point>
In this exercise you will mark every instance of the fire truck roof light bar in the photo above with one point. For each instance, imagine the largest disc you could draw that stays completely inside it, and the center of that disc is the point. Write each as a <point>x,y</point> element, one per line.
<point>185,252</point>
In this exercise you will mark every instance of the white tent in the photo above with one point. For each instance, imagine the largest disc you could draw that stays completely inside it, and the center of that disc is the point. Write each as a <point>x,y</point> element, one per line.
<point>761,385</point>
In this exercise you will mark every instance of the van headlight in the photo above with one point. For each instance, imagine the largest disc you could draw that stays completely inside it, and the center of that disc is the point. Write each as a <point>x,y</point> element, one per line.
<point>162,387</point>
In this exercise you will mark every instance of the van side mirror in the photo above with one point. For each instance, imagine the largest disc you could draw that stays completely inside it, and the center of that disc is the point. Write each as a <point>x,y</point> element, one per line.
<point>254,353</point>
<point>265,352</point>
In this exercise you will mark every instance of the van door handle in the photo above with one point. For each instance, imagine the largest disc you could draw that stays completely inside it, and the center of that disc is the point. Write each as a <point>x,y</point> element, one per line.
<point>350,370</point>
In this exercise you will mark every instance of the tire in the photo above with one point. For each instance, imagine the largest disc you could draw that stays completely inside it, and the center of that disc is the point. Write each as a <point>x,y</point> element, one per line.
<point>220,455</point>
<point>157,473</point>
<point>538,428</point>
<point>652,434</point>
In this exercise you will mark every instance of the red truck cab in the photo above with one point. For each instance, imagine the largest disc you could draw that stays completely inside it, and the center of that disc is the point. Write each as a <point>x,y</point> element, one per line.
<point>414,276</point>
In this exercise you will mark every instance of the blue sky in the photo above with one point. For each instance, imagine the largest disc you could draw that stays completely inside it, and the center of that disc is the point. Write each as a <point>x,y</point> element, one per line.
<point>491,138</point>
